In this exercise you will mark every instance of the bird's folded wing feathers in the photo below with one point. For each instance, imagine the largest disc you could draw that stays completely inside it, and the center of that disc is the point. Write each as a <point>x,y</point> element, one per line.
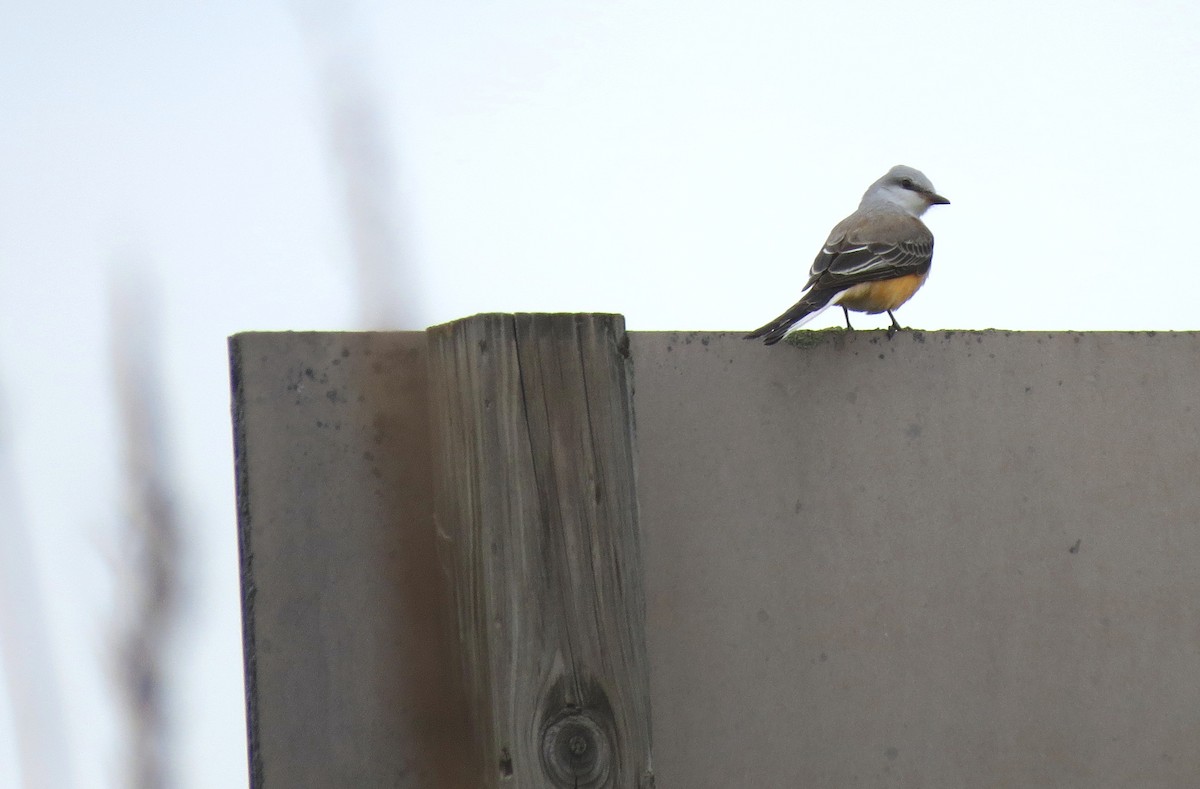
<point>905,247</point>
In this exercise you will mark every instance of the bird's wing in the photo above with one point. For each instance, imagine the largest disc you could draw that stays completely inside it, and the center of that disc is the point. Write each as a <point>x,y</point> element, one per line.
<point>869,247</point>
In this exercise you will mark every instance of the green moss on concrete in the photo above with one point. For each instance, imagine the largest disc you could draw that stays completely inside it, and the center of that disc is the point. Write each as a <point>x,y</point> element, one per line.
<point>815,337</point>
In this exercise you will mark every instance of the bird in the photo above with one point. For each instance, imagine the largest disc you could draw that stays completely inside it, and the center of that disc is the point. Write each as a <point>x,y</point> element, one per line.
<point>874,260</point>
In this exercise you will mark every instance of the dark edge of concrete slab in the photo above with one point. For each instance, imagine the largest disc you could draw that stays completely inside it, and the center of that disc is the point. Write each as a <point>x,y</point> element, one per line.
<point>245,559</point>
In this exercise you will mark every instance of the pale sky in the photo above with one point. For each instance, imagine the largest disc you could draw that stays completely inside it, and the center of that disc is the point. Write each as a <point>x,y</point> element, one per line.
<point>677,162</point>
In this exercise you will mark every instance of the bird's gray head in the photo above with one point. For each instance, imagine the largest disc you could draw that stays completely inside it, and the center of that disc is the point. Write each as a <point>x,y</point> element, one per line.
<point>904,188</point>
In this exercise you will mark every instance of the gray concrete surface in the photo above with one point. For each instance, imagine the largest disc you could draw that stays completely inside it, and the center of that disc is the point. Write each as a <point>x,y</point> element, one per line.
<point>941,560</point>
<point>349,671</point>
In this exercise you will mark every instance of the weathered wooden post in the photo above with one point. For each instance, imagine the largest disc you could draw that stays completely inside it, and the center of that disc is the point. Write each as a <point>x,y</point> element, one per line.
<point>535,502</point>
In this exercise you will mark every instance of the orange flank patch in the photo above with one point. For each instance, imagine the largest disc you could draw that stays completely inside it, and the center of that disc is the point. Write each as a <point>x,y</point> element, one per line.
<point>885,294</point>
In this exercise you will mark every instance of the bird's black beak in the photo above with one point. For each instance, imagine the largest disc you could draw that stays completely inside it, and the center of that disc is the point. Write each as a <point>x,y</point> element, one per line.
<point>936,199</point>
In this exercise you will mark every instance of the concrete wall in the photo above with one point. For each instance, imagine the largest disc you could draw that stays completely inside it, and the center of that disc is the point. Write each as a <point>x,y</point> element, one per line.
<point>943,560</point>
<point>940,560</point>
<point>350,680</point>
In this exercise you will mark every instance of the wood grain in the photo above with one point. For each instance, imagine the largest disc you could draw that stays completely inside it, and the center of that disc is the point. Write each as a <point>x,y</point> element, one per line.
<point>537,514</point>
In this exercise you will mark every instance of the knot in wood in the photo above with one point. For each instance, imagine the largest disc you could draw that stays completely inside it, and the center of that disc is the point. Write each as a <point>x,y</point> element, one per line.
<point>576,751</point>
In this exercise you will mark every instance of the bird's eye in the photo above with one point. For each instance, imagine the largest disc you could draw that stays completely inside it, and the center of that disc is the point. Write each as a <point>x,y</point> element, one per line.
<point>907,183</point>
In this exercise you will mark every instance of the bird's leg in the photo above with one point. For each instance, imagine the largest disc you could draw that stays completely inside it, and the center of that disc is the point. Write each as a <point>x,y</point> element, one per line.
<point>895,327</point>
<point>848,326</point>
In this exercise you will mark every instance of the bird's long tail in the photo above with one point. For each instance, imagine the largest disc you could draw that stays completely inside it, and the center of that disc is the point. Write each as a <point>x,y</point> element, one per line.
<point>813,303</point>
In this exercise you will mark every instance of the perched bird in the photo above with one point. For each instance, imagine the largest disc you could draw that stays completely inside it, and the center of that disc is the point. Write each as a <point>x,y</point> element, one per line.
<point>875,259</point>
